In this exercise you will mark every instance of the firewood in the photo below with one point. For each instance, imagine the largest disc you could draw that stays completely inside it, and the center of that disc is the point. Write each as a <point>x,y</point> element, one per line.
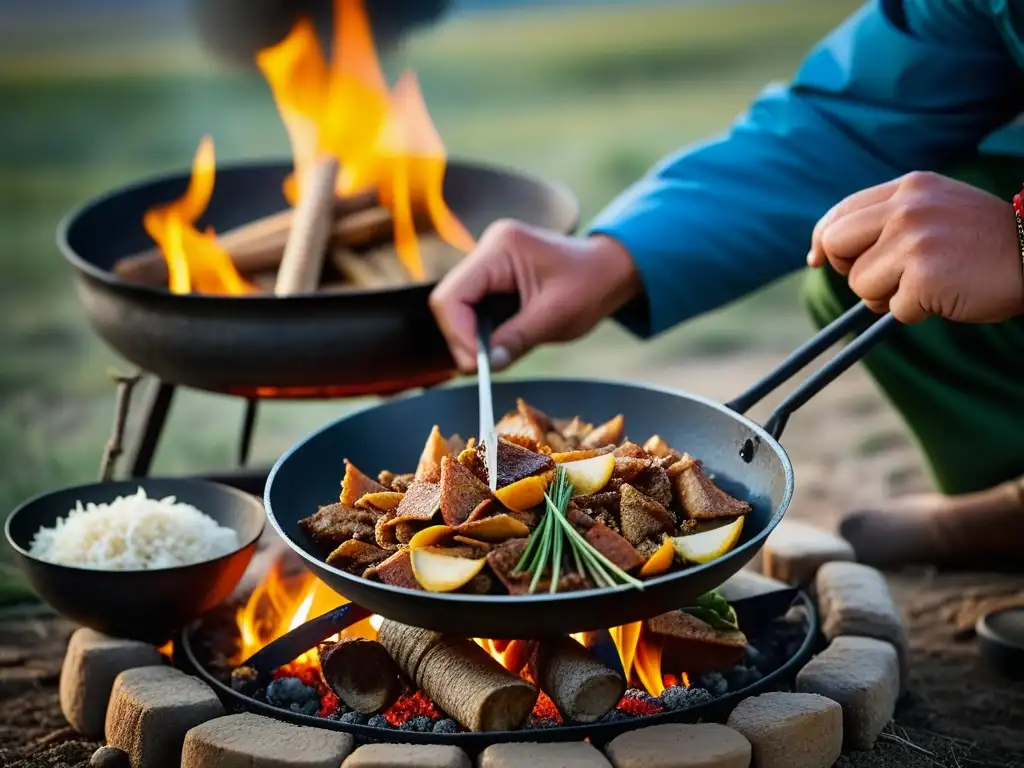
<point>582,686</point>
<point>460,677</point>
<point>361,672</point>
<point>304,253</point>
<point>256,246</point>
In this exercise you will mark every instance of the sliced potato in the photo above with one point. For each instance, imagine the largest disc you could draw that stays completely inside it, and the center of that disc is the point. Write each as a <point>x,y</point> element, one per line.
<point>494,529</point>
<point>437,572</point>
<point>706,546</point>
<point>432,536</point>
<point>589,476</point>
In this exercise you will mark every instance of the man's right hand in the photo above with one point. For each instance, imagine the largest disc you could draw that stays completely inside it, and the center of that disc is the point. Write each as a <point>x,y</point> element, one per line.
<point>566,285</point>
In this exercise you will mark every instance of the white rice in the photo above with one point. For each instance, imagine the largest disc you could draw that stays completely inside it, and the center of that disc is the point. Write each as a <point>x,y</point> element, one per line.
<point>133,533</point>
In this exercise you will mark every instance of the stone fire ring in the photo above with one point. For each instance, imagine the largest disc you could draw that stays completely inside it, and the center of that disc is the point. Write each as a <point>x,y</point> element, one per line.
<point>156,716</point>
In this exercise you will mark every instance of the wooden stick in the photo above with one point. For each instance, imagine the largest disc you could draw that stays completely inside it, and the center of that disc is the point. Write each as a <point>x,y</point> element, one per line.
<point>379,268</point>
<point>115,445</point>
<point>460,677</point>
<point>361,672</point>
<point>304,253</point>
<point>254,247</point>
<point>582,686</point>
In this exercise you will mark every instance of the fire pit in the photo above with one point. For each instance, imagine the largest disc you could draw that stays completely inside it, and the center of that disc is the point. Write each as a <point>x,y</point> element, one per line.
<point>583,674</point>
<point>406,696</point>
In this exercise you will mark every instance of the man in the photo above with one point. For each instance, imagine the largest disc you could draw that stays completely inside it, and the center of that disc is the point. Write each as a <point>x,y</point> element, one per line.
<point>834,159</point>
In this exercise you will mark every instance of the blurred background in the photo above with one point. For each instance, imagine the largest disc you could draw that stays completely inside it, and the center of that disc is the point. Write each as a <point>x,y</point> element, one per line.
<point>98,93</point>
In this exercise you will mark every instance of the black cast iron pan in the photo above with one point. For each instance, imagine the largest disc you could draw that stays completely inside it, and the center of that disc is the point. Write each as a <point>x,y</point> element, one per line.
<point>746,459</point>
<point>357,342</point>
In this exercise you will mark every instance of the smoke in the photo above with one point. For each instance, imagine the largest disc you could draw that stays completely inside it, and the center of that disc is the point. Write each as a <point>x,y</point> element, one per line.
<point>234,30</point>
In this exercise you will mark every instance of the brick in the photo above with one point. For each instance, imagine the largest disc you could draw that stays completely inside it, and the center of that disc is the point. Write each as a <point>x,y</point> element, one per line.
<point>569,754</point>
<point>407,756</point>
<point>794,552</point>
<point>855,600</point>
<point>706,745</point>
<point>862,675</point>
<point>790,729</point>
<point>91,663</point>
<point>150,711</point>
<point>254,741</point>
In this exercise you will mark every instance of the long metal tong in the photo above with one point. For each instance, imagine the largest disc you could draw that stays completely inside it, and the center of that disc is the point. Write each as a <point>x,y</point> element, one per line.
<point>487,434</point>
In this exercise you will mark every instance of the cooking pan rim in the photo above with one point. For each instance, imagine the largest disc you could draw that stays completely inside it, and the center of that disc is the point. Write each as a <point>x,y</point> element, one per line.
<point>110,279</point>
<point>538,599</point>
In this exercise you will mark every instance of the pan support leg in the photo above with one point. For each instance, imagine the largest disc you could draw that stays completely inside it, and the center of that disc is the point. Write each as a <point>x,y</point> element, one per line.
<point>154,418</point>
<point>248,429</point>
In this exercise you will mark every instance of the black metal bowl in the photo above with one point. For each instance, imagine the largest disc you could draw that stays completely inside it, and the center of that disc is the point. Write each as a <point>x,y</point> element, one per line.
<point>142,605</point>
<point>358,342</point>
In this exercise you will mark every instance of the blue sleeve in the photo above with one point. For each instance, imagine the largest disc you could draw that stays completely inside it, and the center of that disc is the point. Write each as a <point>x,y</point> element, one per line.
<point>869,103</point>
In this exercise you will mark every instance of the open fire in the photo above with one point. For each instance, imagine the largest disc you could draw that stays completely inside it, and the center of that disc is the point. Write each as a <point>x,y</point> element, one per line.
<point>283,601</point>
<point>387,172</point>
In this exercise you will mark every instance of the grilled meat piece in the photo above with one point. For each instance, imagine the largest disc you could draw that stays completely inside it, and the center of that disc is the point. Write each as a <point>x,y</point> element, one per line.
<point>702,499</point>
<point>336,523</point>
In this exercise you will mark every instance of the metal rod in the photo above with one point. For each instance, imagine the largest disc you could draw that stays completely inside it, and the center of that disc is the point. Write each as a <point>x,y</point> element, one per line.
<point>154,417</point>
<point>248,429</point>
<point>304,637</point>
<point>828,373</point>
<point>486,430</point>
<point>850,321</point>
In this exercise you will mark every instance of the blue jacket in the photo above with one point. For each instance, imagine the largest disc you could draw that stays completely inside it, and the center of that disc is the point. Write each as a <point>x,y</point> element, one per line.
<point>900,86</point>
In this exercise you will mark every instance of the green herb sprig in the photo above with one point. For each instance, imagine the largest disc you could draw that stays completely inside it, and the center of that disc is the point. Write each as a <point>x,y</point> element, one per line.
<point>554,539</point>
<point>715,610</point>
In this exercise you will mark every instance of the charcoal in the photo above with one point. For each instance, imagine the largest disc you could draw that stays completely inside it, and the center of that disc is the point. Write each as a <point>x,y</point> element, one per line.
<point>378,721</point>
<point>754,658</point>
<point>354,718</point>
<point>542,722</point>
<point>681,697</point>
<point>446,725</point>
<point>421,723</point>
<point>638,694</point>
<point>286,691</point>
<point>305,708</point>
<point>716,683</point>
<point>615,716</point>
<point>742,676</point>
<point>244,680</point>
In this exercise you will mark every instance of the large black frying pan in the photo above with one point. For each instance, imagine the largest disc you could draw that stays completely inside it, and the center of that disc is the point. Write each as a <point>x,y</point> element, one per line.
<point>746,459</point>
<point>357,342</point>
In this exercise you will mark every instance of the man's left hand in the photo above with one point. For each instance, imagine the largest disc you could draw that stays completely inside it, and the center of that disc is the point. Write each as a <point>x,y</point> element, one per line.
<point>924,245</point>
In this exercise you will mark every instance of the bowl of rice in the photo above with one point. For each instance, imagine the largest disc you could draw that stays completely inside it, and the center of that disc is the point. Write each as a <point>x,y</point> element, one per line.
<point>138,559</point>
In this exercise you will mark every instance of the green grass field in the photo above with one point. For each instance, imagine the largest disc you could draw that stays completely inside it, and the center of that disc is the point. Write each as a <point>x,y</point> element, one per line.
<point>588,97</point>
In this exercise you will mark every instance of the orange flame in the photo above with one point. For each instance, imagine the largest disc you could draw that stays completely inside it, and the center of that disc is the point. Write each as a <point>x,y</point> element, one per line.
<point>195,261</point>
<point>382,138</point>
<point>281,603</point>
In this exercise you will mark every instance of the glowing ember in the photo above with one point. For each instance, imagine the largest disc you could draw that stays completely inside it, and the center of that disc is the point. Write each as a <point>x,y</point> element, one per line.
<point>383,139</point>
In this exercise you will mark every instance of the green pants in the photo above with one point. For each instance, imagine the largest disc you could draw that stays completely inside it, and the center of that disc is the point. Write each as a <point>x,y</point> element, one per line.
<point>959,387</point>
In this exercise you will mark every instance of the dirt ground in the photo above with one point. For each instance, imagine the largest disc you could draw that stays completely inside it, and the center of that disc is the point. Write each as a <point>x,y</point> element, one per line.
<point>955,713</point>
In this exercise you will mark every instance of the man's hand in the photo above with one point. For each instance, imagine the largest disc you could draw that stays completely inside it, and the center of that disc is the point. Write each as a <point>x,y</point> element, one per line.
<point>925,245</point>
<point>566,285</point>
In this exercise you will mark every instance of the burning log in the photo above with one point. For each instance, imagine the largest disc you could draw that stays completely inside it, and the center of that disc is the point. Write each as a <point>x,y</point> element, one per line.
<point>254,247</point>
<point>582,686</point>
<point>376,269</point>
<point>460,677</point>
<point>303,258</point>
<point>361,672</point>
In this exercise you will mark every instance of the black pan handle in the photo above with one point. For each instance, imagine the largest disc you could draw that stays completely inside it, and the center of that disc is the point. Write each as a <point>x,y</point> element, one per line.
<point>868,328</point>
